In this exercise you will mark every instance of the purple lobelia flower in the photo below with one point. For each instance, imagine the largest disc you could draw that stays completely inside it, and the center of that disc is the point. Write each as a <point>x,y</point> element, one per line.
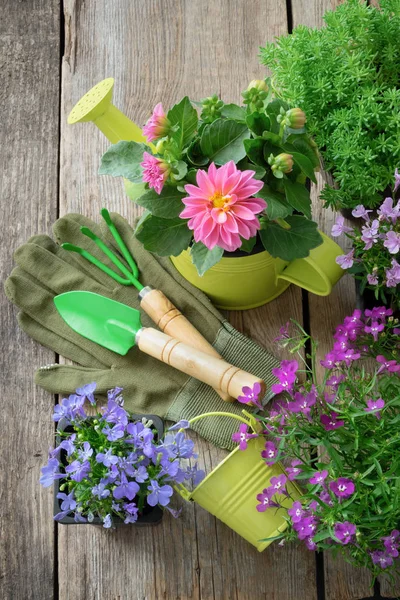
<point>107,522</point>
<point>86,392</point>
<point>378,312</point>
<point>265,500</point>
<point>335,380</point>
<point>182,424</point>
<point>374,329</point>
<point>346,261</point>
<point>387,211</point>
<point>140,474</point>
<point>391,543</point>
<point>339,227</point>
<point>381,558</point>
<point>114,413</point>
<point>184,446</point>
<point>360,212</point>
<point>375,406</point>
<point>342,487</point>
<point>159,494</point>
<point>142,437</point>
<point>372,278</point>
<point>270,453</point>
<point>302,403</point>
<point>311,545</point>
<point>130,507</point>
<point>107,458</point>
<point>392,366</point>
<point>325,497</point>
<point>370,234</point>
<point>331,421</point>
<point>305,527</point>
<point>115,395</point>
<point>396,180</point>
<point>319,477</point>
<point>278,484</point>
<point>50,472</point>
<point>68,444</point>
<point>293,471</point>
<point>70,409</point>
<point>243,436</point>
<point>393,274</point>
<point>296,512</point>
<point>100,490</point>
<point>68,501</point>
<point>125,488</point>
<point>330,360</point>
<point>392,242</point>
<point>251,395</point>
<point>344,532</point>
<point>286,374</point>
<point>79,470</point>
<point>86,453</point>
<point>114,433</point>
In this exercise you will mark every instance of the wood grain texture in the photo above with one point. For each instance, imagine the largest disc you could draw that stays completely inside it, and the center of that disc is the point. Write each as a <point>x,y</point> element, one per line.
<point>29,103</point>
<point>160,50</point>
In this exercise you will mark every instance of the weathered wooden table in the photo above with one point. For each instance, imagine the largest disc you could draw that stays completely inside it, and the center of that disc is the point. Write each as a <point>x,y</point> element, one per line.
<point>50,54</point>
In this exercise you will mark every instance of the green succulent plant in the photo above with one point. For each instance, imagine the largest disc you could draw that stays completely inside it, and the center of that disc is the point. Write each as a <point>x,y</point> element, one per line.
<point>346,77</point>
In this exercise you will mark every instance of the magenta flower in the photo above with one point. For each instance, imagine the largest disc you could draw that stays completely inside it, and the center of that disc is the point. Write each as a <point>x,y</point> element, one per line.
<point>251,395</point>
<point>242,436</point>
<point>331,421</point>
<point>158,125</point>
<point>391,543</point>
<point>311,545</point>
<point>344,532</point>
<point>392,242</point>
<point>370,234</point>
<point>278,484</point>
<point>319,477</point>
<point>339,227</point>
<point>387,365</point>
<point>372,279</point>
<point>378,312</point>
<point>293,470</point>
<point>296,512</point>
<point>346,261</point>
<point>265,500</point>
<point>360,212</point>
<point>270,453</point>
<point>393,274</point>
<point>329,361</point>
<point>221,209</point>
<point>155,171</point>
<point>375,405</point>
<point>306,527</point>
<point>286,374</point>
<point>335,381</point>
<point>325,497</point>
<point>342,487</point>
<point>374,329</point>
<point>381,558</point>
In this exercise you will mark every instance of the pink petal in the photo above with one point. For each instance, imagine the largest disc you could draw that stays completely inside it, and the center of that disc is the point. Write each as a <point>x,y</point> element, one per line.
<point>231,224</point>
<point>218,215</point>
<point>241,211</point>
<point>195,191</point>
<point>204,183</point>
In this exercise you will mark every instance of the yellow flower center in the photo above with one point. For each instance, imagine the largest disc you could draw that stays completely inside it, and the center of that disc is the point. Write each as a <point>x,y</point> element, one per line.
<point>220,201</point>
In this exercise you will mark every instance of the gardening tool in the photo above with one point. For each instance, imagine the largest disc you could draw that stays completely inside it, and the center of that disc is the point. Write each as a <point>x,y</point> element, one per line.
<point>96,106</point>
<point>118,327</point>
<point>159,308</point>
<point>229,491</point>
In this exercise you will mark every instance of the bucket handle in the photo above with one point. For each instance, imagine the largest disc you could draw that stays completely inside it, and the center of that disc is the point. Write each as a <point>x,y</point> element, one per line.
<point>250,421</point>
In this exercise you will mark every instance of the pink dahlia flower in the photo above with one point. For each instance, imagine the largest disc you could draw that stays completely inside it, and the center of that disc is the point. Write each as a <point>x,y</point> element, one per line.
<point>221,210</point>
<point>155,171</point>
<point>157,126</point>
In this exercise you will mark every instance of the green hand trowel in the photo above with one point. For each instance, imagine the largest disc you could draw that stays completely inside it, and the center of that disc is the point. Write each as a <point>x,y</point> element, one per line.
<point>117,327</point>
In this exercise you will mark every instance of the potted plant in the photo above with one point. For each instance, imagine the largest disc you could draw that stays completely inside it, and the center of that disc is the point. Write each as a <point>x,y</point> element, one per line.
<point>340,438</point>
<point>373,259</point>
<point>230,180</point>
<point>346,77</point>
<point>114,468</point>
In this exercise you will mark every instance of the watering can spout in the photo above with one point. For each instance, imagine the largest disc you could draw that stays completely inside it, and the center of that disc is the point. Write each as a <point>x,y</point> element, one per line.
<point>96,106</point>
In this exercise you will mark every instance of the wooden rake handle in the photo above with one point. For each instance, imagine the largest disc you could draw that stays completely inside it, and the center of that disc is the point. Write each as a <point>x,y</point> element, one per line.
<point>213,371</point>
<point>170,320</point>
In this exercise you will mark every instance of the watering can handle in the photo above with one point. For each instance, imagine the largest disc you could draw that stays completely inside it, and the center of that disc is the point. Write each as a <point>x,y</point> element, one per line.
<point>170,320</point>
<point>213,371</point>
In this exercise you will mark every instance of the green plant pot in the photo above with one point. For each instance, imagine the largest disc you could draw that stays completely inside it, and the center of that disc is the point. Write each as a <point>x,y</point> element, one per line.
<point>240,283</point>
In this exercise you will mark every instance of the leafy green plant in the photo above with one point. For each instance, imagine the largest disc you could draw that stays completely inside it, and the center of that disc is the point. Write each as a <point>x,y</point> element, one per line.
<point>251,164</point>
<point>346,78</point>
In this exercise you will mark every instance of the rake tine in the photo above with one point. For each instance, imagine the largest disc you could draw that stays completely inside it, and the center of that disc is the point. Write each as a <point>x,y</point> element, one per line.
<point>120,242</point>
<point>89,257</point>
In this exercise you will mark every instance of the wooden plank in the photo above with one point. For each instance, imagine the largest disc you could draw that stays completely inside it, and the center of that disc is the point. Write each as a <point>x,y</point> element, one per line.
<point>342,582</point>
<point>162,50</point>
<point>29,106</point>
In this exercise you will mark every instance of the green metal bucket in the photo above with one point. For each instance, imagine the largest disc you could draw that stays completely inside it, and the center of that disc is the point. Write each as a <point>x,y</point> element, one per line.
<point>229,491</point>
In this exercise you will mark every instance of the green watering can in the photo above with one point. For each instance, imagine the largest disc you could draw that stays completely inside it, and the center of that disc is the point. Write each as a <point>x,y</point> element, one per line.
<point>229,491</point>
<point>117,327</point>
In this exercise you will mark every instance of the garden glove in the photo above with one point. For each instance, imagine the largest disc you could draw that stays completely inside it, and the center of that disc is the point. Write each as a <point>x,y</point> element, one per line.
<point>45,270</point>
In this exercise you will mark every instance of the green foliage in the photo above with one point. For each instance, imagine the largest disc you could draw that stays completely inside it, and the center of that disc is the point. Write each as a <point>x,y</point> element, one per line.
<point>167,204</point>
<point>295,240</point>
<point>165,237</point>
<point>123,160</point>
<point>345,76</point>
<point>222,141</point>
<point>183,119</point>
<point>203,258</point>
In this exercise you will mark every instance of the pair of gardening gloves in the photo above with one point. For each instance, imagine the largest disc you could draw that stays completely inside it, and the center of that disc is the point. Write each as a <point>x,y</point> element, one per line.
<point>45,270</point>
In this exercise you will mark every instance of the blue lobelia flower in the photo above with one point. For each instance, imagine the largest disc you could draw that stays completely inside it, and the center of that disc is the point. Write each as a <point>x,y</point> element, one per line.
<point>68,501</point>
<point>86,392</point>
<point>159,494</point>
<point>50,472</point>
<point>86,453</point>
<point>79,470</point>
<point>100,490</point>
<point>107,458</point>
<point>126,489</point>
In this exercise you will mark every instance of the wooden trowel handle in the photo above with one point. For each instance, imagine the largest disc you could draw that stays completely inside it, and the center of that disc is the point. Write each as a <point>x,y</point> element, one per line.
<point>214,371</point>
<point>170,320</point>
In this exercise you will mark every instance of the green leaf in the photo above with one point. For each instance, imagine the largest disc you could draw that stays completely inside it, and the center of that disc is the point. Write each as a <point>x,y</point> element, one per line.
<point>302,144</point>
<point>255,150</point>
<point>277,207</point>
<point>165,237</point>
<point>273,110</point>
<point>179,170</point>
<point>322,535</point>
<point>292,243</point>
<point>184,117</point>
<point>248,245</point>
<point>244,165</point>
<point>191,176</point>
<point>168,204</point>
<point>305,165</point>
<point>222,141</point>
<point>203,258</point>
<point>298,196</point>
<point>134,190</point>
<point>123,160</point>
<point>195,155</point>
<point>234,112</point>
<point>258,122</point>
